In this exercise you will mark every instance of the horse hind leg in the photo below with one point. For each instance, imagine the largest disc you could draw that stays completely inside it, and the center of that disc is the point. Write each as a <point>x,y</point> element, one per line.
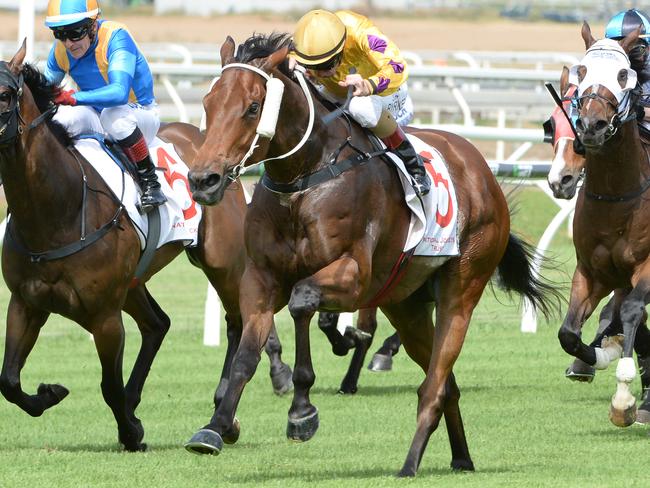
<point>382,360</point>
<point>23,327</point>
<point>153,324</point>
<point>366,322</point>
<point>460,458</point>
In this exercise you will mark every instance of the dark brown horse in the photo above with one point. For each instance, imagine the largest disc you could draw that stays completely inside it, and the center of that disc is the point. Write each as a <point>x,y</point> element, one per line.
<point>611,214</point>
<point>565,174</point>
<point>333,245</point>
<point>50,204</point>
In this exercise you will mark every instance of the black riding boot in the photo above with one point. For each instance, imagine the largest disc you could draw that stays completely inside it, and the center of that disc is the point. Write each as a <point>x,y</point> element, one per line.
<point>135,147</point>
<point>413,162</point>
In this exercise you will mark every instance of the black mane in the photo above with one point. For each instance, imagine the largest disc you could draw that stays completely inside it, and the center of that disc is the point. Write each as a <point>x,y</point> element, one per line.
<point>261,46</point>
<point>44,93</point>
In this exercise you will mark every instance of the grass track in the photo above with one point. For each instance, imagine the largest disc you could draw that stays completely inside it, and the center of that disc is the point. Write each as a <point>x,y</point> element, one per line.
<point>526,425</point>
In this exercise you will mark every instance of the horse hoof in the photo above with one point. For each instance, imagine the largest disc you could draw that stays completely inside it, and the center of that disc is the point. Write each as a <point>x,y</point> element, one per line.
<point>301,430</point>
<point>53,392</point>
<point>642,416</point>
<point>462,465</point>
<point>347,390</point>
<point>139,447</point>
<point>580,371</point>
<point>282,380</point>
<point>622,417</point>
<point>381,362</point>
<point>232,436</point>
<point>205,441</point>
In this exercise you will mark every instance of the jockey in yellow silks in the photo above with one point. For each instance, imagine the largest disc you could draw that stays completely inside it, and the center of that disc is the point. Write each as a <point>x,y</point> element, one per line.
<point>329,44</point>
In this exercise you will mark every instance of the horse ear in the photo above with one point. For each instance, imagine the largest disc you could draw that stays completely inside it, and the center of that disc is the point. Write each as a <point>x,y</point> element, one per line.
<point>227,51</point>
<point>564,80</point>
<point>16,63</point>
<point>586,35</point>
<point>275,59</point>
<point>630,40</point>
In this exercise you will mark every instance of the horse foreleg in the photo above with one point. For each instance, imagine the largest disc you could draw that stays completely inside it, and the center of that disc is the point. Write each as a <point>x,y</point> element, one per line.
<point>109,342</point>
<point>153,324</point>
<point>257,302</point>
<point>280,372</point>
<point>366,322</point>
<point>23,327</point>
<point>335,286</point>
<point>623,407</point>
<point>585,296</point>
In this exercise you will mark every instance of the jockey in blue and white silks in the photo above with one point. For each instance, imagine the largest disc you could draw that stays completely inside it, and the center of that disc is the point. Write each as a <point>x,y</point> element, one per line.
<point>115,84</point>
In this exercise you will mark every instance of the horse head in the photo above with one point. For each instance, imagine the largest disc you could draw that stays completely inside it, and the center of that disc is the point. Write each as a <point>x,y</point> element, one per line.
<point>567,164</point>
<point>605,88</point>
<point>11,91</point>
<point>242,109</point>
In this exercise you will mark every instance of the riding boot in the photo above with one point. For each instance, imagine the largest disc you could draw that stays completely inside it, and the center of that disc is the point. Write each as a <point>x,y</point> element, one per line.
<point>135,147</point>
<point>414,163</point>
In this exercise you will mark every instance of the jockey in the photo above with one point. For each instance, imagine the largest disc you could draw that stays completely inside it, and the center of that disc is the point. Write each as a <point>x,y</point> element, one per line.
<point>329,44</point>
<point>619,26</point>
<point>115,85</point>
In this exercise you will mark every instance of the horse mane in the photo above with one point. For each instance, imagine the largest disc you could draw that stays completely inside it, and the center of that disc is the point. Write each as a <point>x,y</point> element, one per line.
<point>263,45</point>
<point>44,92</point>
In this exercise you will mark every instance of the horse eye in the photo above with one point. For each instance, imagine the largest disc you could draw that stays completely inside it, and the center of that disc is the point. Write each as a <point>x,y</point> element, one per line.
<point>253,108</point>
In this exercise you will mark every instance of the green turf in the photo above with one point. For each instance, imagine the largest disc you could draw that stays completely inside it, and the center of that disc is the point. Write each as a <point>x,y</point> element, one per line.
<point>526,425</point>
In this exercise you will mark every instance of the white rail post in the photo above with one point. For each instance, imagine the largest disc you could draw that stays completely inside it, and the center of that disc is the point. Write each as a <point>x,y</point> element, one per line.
<point>26,26</point>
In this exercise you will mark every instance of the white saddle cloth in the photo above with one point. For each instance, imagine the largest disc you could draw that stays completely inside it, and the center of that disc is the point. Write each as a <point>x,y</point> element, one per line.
<point>179,217</point>
<point>433,229</point>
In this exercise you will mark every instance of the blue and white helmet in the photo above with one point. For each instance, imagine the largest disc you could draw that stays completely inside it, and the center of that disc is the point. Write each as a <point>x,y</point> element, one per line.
<point>62,13</point>
<point>625,22</point>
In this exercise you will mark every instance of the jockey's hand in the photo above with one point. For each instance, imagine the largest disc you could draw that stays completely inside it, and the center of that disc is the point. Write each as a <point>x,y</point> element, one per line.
<point>65,97</point>
<point>362,88</point>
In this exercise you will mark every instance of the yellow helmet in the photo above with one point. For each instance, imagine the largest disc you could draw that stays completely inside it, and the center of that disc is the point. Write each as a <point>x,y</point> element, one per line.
<point>319,36</point>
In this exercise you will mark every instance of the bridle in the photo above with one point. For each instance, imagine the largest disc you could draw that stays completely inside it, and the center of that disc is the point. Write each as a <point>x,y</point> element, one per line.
<point>11,122</point>
<point>270,112</point>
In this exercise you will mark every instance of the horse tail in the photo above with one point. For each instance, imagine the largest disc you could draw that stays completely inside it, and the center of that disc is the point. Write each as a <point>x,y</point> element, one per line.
<point>516,273</point>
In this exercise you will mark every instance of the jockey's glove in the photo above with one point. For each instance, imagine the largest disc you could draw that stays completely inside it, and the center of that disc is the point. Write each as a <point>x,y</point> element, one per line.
<point>65,97</point>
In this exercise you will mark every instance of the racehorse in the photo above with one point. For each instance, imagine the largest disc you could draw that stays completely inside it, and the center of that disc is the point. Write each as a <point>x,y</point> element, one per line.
<point>65,223</point>
<point>611,212</point>
<point>333,245</point>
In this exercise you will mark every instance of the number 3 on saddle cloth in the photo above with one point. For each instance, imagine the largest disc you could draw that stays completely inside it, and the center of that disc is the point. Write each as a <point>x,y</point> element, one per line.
<point>179,217</point>
<point>433,229</point>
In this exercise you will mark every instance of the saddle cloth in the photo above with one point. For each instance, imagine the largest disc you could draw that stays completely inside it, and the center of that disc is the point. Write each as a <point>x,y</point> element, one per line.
<point>179,217</point>
<point>433,230</point>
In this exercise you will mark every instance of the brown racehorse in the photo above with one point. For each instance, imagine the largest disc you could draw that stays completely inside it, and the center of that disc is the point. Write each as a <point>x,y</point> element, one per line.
<point>611,212</point>
<point>566,172</point>
<point>333,246</point>
<point>49,203</point>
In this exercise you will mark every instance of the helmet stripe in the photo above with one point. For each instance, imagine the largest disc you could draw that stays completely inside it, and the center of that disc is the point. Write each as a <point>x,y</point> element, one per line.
<point>77,16</point>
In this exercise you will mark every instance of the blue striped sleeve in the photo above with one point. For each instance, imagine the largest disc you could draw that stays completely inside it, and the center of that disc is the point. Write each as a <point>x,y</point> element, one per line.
<point>53,73</point>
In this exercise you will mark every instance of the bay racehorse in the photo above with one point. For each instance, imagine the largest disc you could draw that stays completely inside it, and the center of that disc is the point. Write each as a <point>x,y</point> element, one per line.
<point>54,196</point>
<point>611,214</point>
<point>333,245</point>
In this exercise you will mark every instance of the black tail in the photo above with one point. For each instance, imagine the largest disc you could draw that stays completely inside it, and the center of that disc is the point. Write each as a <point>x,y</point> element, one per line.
<point>516,274</point>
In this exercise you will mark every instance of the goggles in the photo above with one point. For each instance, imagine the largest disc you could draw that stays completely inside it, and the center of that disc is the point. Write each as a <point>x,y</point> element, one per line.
<point>72,33</point>
<point>327,65</point>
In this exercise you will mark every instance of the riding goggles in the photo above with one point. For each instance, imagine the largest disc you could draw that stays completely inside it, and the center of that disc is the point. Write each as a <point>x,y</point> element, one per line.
<point>72,33</point>
<point>327,65</point>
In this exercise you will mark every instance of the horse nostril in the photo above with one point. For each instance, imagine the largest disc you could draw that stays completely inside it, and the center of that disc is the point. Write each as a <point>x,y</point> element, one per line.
<point>580,125</point>
<point>212,180</point>
<point>567,179</point>
<point>601,126</point>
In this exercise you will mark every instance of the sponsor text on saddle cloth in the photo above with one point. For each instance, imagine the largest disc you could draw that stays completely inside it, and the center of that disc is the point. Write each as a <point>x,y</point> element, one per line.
<point>433,230</point>
<point>179,217</point>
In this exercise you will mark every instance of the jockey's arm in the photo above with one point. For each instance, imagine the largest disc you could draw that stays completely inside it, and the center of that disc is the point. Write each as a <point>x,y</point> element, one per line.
<point>122,55</point>
<point>53,73</point>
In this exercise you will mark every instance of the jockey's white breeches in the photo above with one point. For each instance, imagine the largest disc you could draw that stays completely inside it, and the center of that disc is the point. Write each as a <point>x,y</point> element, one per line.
<point>367,110</point>
<point>118,122</point>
